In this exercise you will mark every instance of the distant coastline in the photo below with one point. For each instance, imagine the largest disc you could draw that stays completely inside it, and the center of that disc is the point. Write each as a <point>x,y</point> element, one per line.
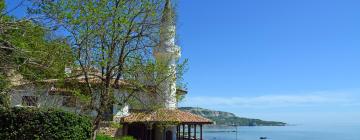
<point>222,118</point>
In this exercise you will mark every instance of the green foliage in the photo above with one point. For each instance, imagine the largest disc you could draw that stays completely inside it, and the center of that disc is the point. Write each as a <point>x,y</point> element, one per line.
<point>115,125</point>
<point>127,138</point>
<point>156,73</point>
<point>244,121</point>
<point>32,123</point>
<point>106,137</point>
<point>2,6</point>
<point>3,82</point>
<point>30,49</point>
<point>38,55</point>
<point>4,99</point>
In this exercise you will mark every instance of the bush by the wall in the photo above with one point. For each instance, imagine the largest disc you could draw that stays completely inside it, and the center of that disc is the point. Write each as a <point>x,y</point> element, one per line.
<point>34,123</point>
<point>4,99</point>
<point>106,137</point>
<point>127,138</point>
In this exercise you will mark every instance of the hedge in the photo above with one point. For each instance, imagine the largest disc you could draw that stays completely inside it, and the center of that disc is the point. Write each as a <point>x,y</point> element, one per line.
<point>106,137</point>
<point>32,123</point>
<point>4,99</point>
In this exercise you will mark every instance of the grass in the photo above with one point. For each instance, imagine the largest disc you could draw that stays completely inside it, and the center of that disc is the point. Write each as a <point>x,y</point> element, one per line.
<point>106,137</point>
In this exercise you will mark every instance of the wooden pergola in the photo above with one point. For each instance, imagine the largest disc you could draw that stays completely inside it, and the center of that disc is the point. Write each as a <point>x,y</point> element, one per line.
<point>187,124</point>
<point>188,134</point>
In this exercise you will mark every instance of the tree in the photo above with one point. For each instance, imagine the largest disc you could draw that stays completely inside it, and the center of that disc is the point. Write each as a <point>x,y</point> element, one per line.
<point>112,41</point>
<point>29,52</point>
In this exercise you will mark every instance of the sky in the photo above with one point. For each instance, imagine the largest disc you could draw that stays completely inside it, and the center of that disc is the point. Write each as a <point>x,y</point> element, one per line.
<point>295,61</point>
<point>289,60</point>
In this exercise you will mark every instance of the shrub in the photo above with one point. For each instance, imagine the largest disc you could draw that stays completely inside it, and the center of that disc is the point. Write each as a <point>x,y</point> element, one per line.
<point>33,123</point>
<point>127,138</point>
<point>103,137</point>
<point>2,99</point>
<point>106,137</point>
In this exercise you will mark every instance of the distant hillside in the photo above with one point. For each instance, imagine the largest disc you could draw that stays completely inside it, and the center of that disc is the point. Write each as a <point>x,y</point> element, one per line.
<point>226,118</point>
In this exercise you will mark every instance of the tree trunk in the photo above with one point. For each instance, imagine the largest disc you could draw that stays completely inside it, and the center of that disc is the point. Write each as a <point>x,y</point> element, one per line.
<point>104,104</point>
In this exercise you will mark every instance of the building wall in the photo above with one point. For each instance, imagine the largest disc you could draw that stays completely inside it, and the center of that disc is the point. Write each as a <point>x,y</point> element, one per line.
<point>45,100</point>
<point>50,100</point>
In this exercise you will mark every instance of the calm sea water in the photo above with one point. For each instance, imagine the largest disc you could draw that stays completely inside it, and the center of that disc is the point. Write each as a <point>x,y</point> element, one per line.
<point>298,132</point>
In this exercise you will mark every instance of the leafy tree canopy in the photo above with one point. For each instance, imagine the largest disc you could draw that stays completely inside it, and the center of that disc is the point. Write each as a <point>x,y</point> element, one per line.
<point>30,49</point>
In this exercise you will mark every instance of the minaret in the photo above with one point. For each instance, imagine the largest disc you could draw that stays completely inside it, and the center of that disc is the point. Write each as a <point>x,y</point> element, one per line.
<point>167,53</point>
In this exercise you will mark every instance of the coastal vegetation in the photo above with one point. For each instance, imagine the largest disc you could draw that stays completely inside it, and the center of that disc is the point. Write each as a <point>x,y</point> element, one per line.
<point>226,118</point>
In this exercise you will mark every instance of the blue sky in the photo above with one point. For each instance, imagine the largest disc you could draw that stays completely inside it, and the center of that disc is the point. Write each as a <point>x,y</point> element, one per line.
<point>289,60</point>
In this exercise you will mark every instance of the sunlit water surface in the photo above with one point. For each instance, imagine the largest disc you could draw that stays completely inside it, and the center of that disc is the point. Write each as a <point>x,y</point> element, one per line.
<point>297,132</point>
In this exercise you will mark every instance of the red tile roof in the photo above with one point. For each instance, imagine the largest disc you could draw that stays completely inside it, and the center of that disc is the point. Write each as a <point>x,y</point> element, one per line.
<point>166,115</point>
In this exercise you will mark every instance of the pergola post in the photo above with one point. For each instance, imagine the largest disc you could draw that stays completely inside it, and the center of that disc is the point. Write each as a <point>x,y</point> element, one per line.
<point>195,131</point>
<point>189,131</point>
<point>183,136</point>
<point>148,131</point>
<point>177,132</point>
<point>201,132</point>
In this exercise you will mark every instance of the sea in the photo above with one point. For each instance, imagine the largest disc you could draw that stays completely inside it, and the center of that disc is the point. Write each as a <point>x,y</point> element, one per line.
<point>292,132</point>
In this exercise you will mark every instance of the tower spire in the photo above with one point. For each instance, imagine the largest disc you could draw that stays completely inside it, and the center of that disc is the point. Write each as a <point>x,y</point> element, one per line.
<point>167,21</point>
<point>167,53</point>
<point>167,45</point>
<point>168,7</point>
<point>168,4</point>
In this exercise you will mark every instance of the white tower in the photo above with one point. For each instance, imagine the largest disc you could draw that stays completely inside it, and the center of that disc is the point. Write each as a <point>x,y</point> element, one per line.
<point>167,53</point>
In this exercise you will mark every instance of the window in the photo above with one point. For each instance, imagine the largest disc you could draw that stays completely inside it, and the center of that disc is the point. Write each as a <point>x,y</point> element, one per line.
<point>69,101</point>
<point>29,101</point>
